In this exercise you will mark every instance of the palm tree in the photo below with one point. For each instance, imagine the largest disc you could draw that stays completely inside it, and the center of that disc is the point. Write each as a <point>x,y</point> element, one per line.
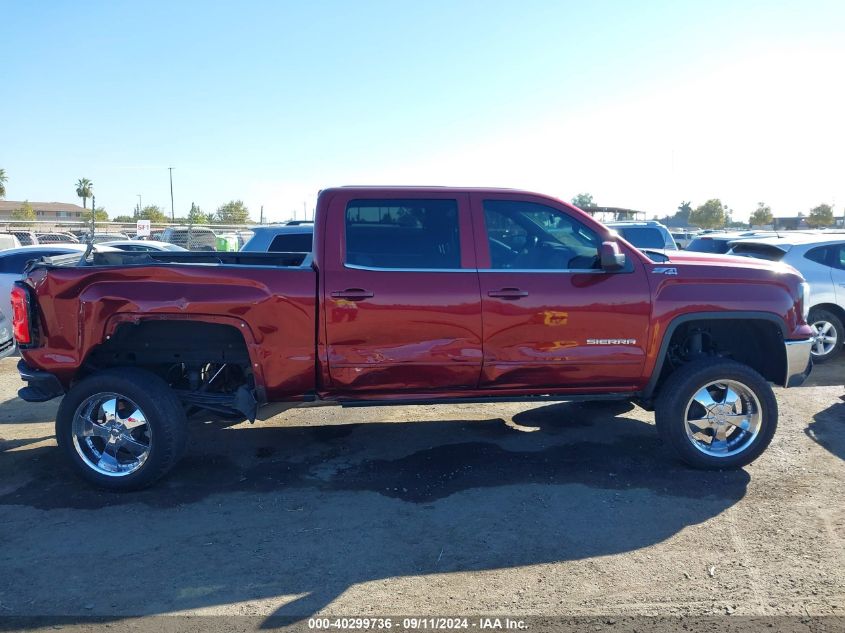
<point>3,179</point>
<point>83,190</point>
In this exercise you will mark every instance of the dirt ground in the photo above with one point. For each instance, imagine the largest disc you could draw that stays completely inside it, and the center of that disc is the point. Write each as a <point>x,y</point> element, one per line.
<point>510,509</point>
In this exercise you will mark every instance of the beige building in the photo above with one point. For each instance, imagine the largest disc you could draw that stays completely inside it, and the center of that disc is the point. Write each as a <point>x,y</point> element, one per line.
<point>44,211</point>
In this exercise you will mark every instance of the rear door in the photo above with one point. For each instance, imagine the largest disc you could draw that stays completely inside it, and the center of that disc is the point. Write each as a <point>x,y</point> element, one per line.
<point>403,306</point>
<point>552,318</point>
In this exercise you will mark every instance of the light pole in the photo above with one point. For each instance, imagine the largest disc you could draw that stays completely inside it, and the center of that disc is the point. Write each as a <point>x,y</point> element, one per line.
<point>140,205</point>
<point>172,212</point>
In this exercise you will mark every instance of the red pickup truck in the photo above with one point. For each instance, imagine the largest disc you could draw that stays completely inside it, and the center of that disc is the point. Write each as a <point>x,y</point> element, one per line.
<point>411,295</point>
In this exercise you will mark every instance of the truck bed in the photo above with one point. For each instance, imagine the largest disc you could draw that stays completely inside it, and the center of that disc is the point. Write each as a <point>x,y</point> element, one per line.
<point>270,298</point>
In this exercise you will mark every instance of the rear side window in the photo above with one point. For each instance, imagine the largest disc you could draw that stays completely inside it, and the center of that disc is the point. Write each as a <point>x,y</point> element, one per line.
<point>708,245</point>
<point>643,237</point>
<point>291,243</point>
<point>820,255</point>
<point>403,233</point>
<point>832,255</point>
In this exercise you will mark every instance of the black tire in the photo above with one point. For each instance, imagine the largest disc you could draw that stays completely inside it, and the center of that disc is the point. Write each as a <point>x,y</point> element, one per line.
<point>677,393</point>
<point>164,415</point>
<point>820,315</point>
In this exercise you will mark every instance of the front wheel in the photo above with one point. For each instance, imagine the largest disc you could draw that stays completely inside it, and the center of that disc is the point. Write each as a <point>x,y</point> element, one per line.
<point>716,414</point>
<point>121,429</point>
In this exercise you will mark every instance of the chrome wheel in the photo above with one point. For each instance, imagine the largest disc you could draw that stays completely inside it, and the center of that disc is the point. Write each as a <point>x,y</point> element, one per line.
<point>723,418</point>
<point>825,338</point>
<point>111,434</point>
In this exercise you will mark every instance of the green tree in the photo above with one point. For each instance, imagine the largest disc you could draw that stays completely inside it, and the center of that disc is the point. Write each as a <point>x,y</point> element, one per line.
<point>233,212</point>
<point>24,213</point>
<point>197,216</point>
<point>709,215</point>
<point>583,201</point>
<point>152,213</point>
<point>682,215</point>
<point>126,219</point>
<point>762,215</point>
<point>100,215</point>
<point>84,190</point>
<point>821,215</point>
<point>3,180</point>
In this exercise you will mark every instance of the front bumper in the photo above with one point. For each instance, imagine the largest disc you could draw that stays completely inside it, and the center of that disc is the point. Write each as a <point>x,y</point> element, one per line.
<point>41,385</point>
<point>799,362</point>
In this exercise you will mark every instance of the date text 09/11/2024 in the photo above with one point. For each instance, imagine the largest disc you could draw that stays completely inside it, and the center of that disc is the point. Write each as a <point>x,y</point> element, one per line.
<point>416,624</point>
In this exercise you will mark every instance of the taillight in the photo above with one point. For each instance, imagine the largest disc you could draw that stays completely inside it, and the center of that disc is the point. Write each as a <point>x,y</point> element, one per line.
<point>20,316</point>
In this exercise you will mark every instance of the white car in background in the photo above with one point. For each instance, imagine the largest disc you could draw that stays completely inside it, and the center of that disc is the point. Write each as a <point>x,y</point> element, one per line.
<point>7,341</point>
<point>14,260</point>
<point>143,246</point>
<point>820,258</point>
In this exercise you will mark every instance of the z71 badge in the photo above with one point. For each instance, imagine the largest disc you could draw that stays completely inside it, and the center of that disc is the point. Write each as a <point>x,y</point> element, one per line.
<point>664,270</point>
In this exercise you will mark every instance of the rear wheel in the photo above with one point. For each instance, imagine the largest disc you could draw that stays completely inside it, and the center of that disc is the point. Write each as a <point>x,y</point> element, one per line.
<point>121,429</point>
<point>716,414</point>
<point>827,334</point>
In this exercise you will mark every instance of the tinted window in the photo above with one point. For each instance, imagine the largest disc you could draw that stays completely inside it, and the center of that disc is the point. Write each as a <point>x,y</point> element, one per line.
<point>708,245</point>
<point>403,234</point>
<point>292,243</point>
<point>820,255</point>
<point>643,236</point>
<point>530,236</point>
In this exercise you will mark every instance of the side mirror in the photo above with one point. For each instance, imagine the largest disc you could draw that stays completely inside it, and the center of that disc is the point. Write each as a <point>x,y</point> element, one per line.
<point>611,257</point>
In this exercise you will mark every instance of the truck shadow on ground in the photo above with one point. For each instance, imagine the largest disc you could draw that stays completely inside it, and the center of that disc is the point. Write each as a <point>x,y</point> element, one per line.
<point>828,429</point>
<point>301,514</point>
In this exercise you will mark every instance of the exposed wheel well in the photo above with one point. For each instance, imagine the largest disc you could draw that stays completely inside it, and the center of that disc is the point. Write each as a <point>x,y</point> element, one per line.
<point>757,343</point>
<point>207,364</point>
<point>160,342</point>
<point>831,307</point>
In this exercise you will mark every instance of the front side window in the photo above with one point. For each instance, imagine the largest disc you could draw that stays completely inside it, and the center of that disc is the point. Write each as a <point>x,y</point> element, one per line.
<point>531,236</point>
<point>405,234</point>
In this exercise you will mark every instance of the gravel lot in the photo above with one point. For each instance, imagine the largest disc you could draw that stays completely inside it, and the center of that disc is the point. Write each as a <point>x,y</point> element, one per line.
<point>555,509</point>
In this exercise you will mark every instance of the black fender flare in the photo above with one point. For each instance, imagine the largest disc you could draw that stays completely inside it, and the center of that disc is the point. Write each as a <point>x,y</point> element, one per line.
<point>648,392</point>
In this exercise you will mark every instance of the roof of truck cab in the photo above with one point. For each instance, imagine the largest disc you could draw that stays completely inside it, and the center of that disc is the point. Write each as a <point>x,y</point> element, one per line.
<point>436,189</point>
<point>398,190</point>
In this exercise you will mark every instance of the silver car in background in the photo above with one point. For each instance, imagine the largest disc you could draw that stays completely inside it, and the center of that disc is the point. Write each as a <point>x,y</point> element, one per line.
<point>7,342</point>
<point>820,258</point>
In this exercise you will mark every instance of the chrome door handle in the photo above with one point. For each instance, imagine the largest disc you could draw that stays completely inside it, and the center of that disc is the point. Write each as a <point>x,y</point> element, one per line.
<point>507,293</point>
<point>352,294</point>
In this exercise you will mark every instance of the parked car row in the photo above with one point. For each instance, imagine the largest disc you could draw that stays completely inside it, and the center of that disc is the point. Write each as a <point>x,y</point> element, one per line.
<point>820,258</point>
<point>191,238</point>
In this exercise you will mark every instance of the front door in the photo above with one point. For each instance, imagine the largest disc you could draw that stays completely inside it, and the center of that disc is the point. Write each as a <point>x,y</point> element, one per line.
<point>552,317</point>
<point>403,308</point>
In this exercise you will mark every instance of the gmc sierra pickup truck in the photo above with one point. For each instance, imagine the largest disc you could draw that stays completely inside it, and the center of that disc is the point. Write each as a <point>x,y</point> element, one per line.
<point>411,295</point>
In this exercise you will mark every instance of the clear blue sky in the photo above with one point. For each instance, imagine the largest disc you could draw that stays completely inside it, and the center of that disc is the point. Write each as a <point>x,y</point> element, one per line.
<point>642,104</point>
